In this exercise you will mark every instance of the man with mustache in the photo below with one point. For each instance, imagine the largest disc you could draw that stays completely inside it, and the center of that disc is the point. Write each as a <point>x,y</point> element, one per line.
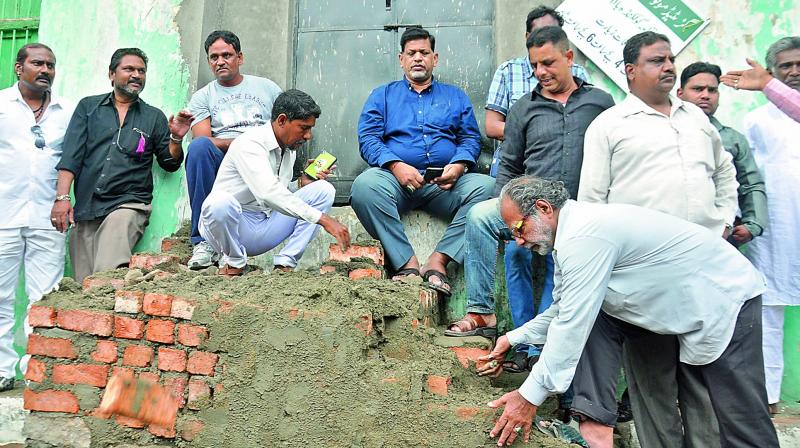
<point>223,109</point>
<point>32,125</point>
<point>617,269</point>
<point>700,86</point>
<point>109,149</point>
<point>251,210</point>
<point>773,136</point>
<point>656,151</point>
<point>405,128</point>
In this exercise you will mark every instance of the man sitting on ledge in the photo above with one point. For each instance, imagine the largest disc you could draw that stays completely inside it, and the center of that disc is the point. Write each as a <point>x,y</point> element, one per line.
<point>250,209</point>
<point>406,128</point>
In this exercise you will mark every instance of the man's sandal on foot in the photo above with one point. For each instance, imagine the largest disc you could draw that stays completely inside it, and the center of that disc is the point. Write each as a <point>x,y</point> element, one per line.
<point>471,325</point>
<point>441,283</point>
<point>406,273</point>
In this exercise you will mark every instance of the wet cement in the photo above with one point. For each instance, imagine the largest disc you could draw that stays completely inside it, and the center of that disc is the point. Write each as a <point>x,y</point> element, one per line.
<point>302,366</point>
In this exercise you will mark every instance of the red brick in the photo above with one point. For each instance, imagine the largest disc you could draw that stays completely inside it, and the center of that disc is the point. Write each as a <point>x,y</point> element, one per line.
<point>92,282</point>
<point>150,377</point>
<point>42,316</point>
<point>161,431</point>
<point>202,363</point>
<point>50,401</point>
<point>52,347</point>
<point>438,384</point>
<point>428,299</point>
<point>137,355</point>
<point>128,302</point>
<point>470,412</point>
<point>37,371</point>
<point>143,261</point>
<point>106,352</point>
<point>171,359</point>
<point>182,308</point>
<point>167,244</point>
<point>123,372</point>
<point>365,324</point>
<point>467,355</point>
<point>327,269</point>
<point>91,374</point>
<point>128,328</point>
<point>157,304</point>
<point>391,379</point>
<point>130,422</point>
<point>177,387</point>
<point>190,429</point>
<point>191,335</point>
<point>92,322</point>
<point>198,390</point>
<point>159,330</point>
<point>374,253</point>
<point>358,274</point>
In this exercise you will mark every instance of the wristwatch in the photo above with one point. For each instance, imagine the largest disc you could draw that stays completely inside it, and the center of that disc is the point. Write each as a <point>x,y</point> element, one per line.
<point>63,197</point>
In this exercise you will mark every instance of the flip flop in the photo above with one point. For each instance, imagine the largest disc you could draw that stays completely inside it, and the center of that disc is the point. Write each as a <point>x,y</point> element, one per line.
<point>477,327</point>
<point>407,272</point>
<point>444,283</point>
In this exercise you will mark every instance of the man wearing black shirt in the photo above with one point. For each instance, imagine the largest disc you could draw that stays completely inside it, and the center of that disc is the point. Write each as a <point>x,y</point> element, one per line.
<point>108,151</point>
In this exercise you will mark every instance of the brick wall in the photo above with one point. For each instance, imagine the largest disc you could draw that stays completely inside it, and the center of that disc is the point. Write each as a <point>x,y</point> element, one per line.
<point>148,335</point>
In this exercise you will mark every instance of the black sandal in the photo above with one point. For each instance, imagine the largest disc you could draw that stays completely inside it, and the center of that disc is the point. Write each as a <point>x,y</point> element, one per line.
<point>444,286</point>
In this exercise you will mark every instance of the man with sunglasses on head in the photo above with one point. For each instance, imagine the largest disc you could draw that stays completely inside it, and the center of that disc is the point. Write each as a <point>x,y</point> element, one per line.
<point>223,109</point>
<point>32,126</point>
<point>109,149</point>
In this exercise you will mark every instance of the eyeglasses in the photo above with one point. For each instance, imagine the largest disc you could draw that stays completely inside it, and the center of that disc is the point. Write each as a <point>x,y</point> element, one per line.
<point>516,229</point>
<point>37,131</point>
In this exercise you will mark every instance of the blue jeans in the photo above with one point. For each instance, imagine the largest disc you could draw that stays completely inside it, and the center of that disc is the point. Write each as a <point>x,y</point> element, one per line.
<point>378,200</point>
<point>203,159</point>
<point>485,228</point>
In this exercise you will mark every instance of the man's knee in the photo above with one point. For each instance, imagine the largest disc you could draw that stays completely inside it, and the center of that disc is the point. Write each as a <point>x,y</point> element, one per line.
<point>321,195</point>
<point>483,212</point>
<point>219,207</point>
<point>369,184</point>
<point>200,150</point>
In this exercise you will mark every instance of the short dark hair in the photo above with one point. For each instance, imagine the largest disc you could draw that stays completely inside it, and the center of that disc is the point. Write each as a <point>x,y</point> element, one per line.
<point>116,58</point>
<point>416,33</point>
<point>633,47</point>
<point>548,34</point>
<point>697,68</point>
<point>296,105</point>
<point>22,54</point>
<point>226,36</point>
<point>541,11</point>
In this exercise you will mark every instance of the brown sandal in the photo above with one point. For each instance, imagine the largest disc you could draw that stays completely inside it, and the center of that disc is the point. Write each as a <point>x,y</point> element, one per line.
<point>473,325</point>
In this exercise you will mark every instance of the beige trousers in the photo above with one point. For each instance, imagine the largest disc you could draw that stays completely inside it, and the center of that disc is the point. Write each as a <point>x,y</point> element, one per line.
<point>107,243</point>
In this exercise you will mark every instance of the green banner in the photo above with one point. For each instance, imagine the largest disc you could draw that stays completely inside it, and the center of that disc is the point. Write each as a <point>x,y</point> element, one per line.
<point>676,15</point>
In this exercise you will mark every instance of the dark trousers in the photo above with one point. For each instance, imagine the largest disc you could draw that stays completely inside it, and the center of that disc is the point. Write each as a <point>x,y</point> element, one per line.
<point>203,159</point>
<point>735,380</point>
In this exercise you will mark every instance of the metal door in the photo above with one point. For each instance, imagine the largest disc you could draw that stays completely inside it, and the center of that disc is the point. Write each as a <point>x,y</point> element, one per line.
<point>19,25</point>
<point>345,49</point>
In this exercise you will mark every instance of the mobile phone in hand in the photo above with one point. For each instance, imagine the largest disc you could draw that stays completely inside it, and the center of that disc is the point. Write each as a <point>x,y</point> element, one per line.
<point>432,173</point>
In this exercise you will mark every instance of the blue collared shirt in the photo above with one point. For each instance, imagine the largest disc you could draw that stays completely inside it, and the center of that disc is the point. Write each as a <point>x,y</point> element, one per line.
<point>514,78</point>
<point>435,127</point>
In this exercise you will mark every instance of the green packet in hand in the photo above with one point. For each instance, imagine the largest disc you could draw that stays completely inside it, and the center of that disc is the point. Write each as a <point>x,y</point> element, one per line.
<point>323,162</point>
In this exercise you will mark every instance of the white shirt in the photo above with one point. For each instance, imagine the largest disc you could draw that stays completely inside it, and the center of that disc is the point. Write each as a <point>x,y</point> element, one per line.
<point>28,188</point>
<point>773,135</point>
<point>644,267</point>
<point>633,154</point>
<point>256,171</point>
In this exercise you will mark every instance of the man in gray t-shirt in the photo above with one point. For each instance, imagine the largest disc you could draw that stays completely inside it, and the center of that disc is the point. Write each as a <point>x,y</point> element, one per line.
<point>223,109</point>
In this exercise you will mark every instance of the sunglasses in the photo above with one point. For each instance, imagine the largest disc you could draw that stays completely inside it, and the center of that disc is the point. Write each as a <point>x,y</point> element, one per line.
<point>37,131</point>
<point>516,229</point>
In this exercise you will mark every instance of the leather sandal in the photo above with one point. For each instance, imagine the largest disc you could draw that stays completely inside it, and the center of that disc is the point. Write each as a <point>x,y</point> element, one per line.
<point>473,325</point>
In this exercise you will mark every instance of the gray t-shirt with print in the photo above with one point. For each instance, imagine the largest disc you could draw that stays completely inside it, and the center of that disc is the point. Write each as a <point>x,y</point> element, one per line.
<point>235,109</point>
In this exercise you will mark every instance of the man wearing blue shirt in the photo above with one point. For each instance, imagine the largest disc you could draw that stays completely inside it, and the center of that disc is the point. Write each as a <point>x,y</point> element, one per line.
<point>406,127</point>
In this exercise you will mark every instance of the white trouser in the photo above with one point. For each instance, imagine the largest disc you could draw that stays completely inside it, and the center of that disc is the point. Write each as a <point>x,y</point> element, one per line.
<point>237,234</point>
<point>42,253</point>
<point>772,325</point>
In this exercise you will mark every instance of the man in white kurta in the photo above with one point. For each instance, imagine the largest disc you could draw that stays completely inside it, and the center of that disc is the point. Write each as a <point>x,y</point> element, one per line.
<point>32,126</point>
<point>773,136</point>
<point>617,268</point>
<point>250,209</point>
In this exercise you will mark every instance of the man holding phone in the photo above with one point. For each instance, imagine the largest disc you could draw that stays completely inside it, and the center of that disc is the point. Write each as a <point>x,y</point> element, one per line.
<point>406,128</point>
